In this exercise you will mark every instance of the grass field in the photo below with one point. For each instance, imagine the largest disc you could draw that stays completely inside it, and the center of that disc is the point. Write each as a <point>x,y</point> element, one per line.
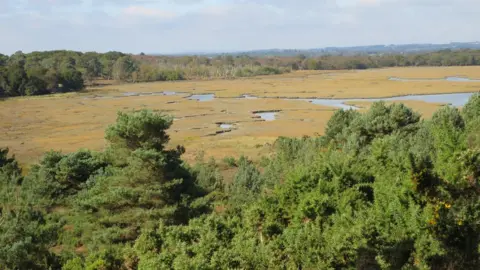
<point>31,126</point>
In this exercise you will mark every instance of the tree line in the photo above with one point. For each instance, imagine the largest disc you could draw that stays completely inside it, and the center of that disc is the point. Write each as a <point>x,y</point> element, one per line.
<point>225,66</point>
<point>380,190</point>
<point>25,75</point>
<point>47,72</point>
<point>365,61</point>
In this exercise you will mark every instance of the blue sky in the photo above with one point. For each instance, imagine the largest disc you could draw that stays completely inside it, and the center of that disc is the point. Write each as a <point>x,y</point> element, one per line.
<point>173,26</point>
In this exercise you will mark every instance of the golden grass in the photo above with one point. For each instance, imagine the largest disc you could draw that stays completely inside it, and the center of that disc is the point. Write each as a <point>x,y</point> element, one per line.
<point>30,126</point>
<point>331,84</point>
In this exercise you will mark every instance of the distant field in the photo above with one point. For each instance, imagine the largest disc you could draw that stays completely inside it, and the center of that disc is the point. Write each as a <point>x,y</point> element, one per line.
<point>31,126</point>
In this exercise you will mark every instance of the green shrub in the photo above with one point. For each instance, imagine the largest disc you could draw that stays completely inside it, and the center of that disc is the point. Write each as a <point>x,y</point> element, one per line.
<point>381,190</point>
<point>230,161</point>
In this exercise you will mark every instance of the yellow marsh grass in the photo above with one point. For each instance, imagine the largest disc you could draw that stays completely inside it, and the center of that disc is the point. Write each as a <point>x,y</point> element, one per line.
<point>31,126</point>
<point>334,84</point>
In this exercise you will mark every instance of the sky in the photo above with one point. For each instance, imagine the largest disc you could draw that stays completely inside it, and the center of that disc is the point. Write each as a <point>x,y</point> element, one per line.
<point>178,26</point>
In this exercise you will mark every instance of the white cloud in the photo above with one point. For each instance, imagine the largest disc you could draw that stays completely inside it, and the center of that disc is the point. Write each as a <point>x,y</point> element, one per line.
<point>148,12</point>
<point>4,7</point>
<point>209,25</point>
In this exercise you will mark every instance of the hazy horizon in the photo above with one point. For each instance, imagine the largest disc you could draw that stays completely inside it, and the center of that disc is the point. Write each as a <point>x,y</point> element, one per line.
<point>242,50</point>
<point>209,26</point>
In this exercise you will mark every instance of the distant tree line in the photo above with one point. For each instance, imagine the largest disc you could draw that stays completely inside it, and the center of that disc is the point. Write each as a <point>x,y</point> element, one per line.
<point>37,74</point>
<point>439,58</point>
<point>64,71</point>
<point>358,50</point>
<point>224,66</point>
<point>48,72</point>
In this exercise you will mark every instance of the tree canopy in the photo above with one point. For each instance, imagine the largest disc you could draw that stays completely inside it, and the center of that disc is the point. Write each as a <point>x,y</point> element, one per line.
<point>380,190</point>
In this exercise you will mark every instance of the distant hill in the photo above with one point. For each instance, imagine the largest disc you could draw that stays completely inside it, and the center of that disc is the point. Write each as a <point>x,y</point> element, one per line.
<point>355,50</point>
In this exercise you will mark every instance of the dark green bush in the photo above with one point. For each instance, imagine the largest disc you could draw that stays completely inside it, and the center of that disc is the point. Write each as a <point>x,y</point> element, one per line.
<point>381,190</point>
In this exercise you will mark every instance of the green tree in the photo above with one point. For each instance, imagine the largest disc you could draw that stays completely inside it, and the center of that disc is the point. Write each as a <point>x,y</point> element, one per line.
<point>3,59</point>
<point>17,58</point>
<point>36,84</point>
<point>471,110</point>
<point>339,122</point>
<point>71,80</point>
<point>59,176</point>
<point>108,60</point>
<point>16,80</point>
<point>471,116</point>
<point>25,234</point>
<point>146,183</point>
<point>123,68</point>
<point>92,67</point>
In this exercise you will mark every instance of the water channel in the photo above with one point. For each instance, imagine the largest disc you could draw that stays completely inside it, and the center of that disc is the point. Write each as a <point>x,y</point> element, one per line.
<point>449,79</point>
<point>454,99</point>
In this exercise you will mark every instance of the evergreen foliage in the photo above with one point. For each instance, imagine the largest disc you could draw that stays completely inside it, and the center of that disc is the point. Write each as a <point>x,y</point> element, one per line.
<point>381,190</point>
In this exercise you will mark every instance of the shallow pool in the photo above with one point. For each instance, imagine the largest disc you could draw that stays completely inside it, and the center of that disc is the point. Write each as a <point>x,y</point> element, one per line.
<point>267,116</point>
<point>248,97</point>
<point>226,126</point>
<point>202,97</point>
<point>338,103</point>
<point>450,79</point>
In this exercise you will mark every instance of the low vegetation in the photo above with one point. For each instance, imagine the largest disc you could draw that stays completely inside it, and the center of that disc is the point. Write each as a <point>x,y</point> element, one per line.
<point>380,190</point>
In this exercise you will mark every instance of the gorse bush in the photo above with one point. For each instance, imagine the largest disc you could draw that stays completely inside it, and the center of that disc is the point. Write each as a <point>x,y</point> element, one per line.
<point>381,190</point>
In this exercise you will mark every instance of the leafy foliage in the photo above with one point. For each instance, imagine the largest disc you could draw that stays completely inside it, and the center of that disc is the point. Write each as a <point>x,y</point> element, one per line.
<point>381,190</point>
